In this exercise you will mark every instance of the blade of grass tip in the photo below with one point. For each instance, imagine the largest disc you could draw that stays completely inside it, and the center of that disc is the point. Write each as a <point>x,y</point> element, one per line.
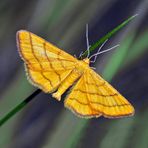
<point>108,35</point>
<point>93,47</point>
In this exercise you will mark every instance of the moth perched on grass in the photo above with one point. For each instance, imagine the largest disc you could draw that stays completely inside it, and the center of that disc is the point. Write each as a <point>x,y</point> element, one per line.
<point>51,69</point>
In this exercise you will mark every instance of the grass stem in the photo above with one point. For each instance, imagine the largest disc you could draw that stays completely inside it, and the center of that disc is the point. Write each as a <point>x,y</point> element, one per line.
<point>92,48</point>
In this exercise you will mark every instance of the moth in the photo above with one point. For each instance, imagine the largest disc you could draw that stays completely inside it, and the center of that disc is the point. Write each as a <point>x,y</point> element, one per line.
<point>54,71</point>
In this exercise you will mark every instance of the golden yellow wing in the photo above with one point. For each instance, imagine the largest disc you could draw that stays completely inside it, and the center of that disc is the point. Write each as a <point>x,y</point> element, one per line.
<point>92,97</point>
<point>46,65</point>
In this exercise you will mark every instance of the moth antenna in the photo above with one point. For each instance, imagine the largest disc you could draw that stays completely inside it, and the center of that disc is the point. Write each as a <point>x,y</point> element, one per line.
<point>98,51</point>
<point>102,45</point>
<point>87,41</point>
<point>80,54</point>
<point>104,51</point>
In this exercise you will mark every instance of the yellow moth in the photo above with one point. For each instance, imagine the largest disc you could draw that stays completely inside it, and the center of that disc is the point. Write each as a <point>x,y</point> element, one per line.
<point>51,69</point>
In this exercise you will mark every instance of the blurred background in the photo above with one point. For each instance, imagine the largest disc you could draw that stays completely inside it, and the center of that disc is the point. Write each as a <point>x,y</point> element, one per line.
<point>44,122</point>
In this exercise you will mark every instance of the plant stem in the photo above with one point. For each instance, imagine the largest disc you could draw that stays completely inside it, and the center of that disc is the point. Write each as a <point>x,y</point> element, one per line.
<point>19,107</point>
<point>93,47</point>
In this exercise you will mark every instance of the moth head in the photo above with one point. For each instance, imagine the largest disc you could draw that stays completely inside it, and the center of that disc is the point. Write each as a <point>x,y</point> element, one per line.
<point>86,60</point>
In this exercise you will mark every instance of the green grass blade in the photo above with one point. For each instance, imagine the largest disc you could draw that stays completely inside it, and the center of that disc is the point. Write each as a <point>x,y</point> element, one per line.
<point>108,35</point>
<point>10,99</point>
<point>19,107</point>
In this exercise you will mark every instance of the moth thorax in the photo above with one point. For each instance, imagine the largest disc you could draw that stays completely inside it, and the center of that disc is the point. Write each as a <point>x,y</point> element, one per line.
<point>82,64</point>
